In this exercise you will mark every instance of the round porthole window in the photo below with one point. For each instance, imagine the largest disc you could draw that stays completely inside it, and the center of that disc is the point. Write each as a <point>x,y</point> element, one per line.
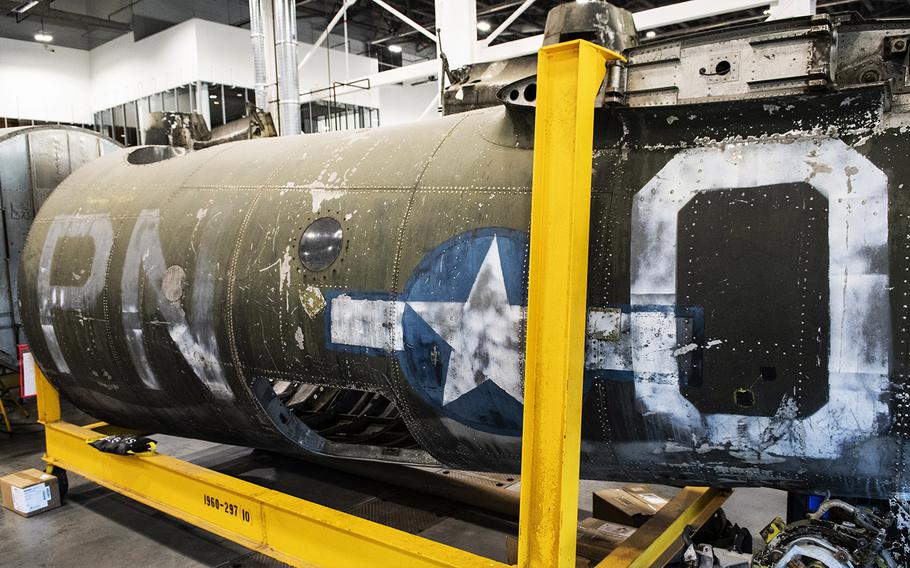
<point>320,244</point>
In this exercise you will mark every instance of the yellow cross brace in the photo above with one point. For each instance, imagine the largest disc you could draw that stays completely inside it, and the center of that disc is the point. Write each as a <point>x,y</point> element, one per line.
<point>568,78</point>
<point>9,428</point>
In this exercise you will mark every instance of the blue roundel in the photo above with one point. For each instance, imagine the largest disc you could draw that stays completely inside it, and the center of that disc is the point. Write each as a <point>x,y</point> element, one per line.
<point>463,328</point>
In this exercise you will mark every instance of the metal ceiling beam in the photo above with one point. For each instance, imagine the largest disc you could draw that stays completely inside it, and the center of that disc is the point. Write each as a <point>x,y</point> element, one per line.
<point>325,34</point>
<point>508,21</point>
<point>484,12</point>
<point>67,19</point>
<point>308,12</point>
<point>404,18</point>
<point>692,10</point>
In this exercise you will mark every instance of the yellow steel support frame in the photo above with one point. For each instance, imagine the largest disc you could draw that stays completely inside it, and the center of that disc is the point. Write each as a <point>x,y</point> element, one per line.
<point>289,529</point>
<point>568,78</point>
<point>663,535</point>
<point>6,423</point>
<point>302,533</point>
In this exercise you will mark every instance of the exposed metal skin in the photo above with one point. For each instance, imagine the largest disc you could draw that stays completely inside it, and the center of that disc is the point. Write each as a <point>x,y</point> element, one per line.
<point>597,22</point>
<point>747,296</point>
<point>33,160</point>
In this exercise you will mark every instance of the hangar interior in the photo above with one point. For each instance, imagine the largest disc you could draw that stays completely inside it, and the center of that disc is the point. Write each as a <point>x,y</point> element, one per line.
<point>455,283</point>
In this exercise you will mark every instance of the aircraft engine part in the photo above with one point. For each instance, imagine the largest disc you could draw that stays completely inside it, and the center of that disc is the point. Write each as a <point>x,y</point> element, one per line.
<point>856,539</point>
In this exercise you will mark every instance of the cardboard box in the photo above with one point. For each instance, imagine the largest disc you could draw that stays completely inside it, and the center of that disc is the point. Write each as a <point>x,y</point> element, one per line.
<point>30,492</point>
<point>596,539</point>
<point>632,505</point>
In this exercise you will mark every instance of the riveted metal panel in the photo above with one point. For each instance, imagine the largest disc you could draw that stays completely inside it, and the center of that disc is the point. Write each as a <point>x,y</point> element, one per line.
<point>33,161</point>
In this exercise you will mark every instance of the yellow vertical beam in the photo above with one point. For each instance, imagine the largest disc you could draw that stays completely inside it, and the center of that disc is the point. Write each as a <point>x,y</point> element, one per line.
<point>9,427</point>
<point>48,399</point>
<point>568,78</point>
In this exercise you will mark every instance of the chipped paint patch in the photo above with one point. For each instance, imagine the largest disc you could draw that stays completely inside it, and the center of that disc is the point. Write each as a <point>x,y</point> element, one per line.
<point>320,193</point>
<point>685,349</point>
<point>172,284</point>
<point>284,270</point>
<point>312,300</point>
<point>850,172</point>
<point>604,324</point>
<point>298,337</point>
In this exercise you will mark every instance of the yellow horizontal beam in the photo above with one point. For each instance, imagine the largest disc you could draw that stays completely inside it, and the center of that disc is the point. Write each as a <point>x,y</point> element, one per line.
<point>289,529</point>
<point>661,537</point>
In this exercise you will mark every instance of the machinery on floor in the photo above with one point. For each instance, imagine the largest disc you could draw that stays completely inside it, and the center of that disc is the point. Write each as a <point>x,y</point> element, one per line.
<point>851,536</point>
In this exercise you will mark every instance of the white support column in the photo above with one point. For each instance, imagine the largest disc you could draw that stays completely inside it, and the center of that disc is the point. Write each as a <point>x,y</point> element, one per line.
<point>285,18</point>
<point>271,67</point>
<point>791,9</point>
<point>347,45</point>
<point>456,21</point>
<point>202,102</point>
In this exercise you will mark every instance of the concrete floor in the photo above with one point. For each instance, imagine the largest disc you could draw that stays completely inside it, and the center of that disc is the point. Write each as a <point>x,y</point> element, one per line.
<point>99,528</point>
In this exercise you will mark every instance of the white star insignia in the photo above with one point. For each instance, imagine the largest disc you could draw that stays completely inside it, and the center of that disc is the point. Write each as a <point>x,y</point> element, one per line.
<point>483,333</point>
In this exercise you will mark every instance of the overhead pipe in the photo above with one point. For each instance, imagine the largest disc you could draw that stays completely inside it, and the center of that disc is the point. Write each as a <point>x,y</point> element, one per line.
<point>257,37</point>
<point>285,15</point>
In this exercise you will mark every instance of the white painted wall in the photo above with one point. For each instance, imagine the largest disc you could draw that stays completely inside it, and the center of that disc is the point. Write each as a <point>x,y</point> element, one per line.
<point>224,54</point>
<point>321,70</point>
<point>123,70</point>
<point>44,84</point>
<point>68,85</point>
<point>405,103</point>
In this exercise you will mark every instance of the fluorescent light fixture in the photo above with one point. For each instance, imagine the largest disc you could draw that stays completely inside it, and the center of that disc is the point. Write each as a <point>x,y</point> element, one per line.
<point>43,36</point>
<point>25,7</point>
<point>213,96</point>
<point>484,26</point>
<point>217,103</point>
<point>650,33</point>
<point>766,12</point>
<point>395,48</point>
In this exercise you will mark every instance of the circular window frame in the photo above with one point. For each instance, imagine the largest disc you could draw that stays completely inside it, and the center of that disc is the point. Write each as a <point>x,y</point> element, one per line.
<point>326,237</point>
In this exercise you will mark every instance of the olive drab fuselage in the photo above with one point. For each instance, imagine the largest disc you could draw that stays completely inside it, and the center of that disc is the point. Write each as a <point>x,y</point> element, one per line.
<point>747,295</point>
